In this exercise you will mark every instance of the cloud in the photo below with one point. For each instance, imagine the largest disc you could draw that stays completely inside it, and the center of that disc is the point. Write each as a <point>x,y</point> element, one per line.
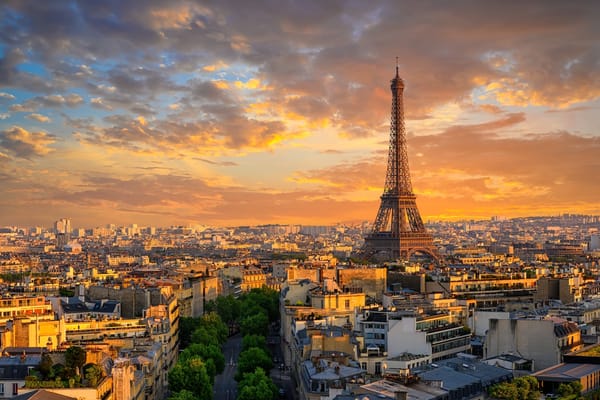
<point>50,101</point>
<point>39,117</point>
<point>25,144</point>
<point>6,96</point>
<point>220,163</point>
<point>138,79</point>
<point>475,167</point>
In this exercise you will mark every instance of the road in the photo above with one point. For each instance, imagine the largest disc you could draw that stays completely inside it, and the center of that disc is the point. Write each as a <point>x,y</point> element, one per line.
<point>225,387</point>
<point>280,374</point>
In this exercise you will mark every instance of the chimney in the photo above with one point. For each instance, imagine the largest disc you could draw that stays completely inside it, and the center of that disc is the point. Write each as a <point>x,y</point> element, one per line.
<point>400,395</point>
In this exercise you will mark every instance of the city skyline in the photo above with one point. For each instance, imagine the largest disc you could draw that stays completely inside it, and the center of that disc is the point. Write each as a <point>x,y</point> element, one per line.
<point>234,113</point>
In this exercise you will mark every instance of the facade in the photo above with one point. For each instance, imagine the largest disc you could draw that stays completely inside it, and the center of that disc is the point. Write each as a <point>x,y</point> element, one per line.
<point>438,335</point>
<point>543,341</point>
<point>567,289</point>
<point>435,334</point>
<point>24,306</point>
<point>13,371</point>
<point>253,278</point>
<point>588,375</point>
<point>128,383</point>
<point>34,332</point>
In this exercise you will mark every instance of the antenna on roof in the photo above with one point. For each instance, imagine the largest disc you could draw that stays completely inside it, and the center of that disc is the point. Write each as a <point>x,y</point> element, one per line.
<point>397,66</point>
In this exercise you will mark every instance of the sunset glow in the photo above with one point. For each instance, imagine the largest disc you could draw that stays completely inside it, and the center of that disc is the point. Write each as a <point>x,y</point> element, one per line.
<point>237,112</point>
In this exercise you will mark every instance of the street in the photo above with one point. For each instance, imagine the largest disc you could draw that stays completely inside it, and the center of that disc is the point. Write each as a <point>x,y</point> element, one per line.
<point>281,374</point>
<point>225,387</point>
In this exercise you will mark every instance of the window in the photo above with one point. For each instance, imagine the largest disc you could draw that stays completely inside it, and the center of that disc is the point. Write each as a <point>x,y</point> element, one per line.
<point>15,389</point>
<point>347,304</point>
<point>1,389</point>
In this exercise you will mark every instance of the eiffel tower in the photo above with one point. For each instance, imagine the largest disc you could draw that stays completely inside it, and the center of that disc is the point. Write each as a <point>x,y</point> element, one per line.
<point>398,231</point>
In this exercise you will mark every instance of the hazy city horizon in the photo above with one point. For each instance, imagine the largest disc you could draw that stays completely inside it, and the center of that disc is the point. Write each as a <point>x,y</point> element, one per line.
<point>348,223</point>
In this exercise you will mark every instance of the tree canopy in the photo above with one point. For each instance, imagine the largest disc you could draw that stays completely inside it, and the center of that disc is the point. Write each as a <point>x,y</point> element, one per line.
<point>190,374</point>
<point>251,359</point>
<point>253,340</point>
<point>75,357</point>
<point>257,386</point>
<point>523,388</point>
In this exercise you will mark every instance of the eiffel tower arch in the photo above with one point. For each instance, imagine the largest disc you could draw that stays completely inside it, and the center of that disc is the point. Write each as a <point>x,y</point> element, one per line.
<point>398,231</point>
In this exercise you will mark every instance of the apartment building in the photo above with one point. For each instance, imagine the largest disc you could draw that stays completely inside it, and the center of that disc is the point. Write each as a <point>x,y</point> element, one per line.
<point>543,341</point>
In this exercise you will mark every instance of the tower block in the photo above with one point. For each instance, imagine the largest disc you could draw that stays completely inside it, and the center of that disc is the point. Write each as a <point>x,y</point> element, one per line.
<point>398,231</point>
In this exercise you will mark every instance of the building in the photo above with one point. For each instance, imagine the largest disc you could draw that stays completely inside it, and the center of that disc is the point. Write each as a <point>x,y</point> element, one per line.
<point>128,382</point>
<point>253,278</point>
<point>543,341</point>
<point>463,376</point>
<point>434,333</point>
<point>327,375</point>
<point>13,371</point>
<point>588,375</point>
<point>566,289</point>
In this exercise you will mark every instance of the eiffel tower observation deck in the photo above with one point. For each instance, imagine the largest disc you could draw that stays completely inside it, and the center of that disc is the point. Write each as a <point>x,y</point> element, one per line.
<point>398,231</point>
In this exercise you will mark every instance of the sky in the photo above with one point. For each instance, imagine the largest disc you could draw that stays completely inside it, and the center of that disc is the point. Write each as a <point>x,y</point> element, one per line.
<point>256,112</point>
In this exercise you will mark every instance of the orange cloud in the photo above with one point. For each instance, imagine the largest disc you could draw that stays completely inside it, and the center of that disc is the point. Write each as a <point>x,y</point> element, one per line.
<point>25,144</point>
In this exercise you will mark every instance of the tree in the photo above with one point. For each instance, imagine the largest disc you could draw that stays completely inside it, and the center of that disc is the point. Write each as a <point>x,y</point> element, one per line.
<point>190,374</point>
<point>251,359</point>
<point>504,390</point>
<point>184,395</point>
<point>257,386</point>
<point>74,357</point>
<point>206,352</point>
<point>187,325</point>
<point>93,373</point>
<point>204,335</point>
<point>523,388</point>
<point>569,389</point>
<point>45,366</point>
<point>228,308</point>
<point>265,298</point>
<point>214,324</point>
<point>255,324</point>
<point>254,341</point>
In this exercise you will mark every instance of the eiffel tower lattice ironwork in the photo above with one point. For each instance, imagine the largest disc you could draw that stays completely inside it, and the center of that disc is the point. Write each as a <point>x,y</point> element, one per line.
<point>398,230</point>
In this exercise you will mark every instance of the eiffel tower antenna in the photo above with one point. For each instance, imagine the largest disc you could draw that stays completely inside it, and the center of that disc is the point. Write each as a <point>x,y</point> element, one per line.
<point>398,231</point>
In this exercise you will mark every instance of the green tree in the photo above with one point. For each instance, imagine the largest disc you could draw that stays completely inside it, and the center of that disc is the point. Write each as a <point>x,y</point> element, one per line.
<point>228,308</point>
<point>45,366</point>
<point>257,386</point>
<point>74,357</point>
<point>577,387</point>
<point>254,341</point>
<point>265,298</point>
<point>504,390</point>
<point>93,373</point>
<point>251,359</point>
<point>214,324</point>
<point>565,389</point>
<point>523,388</point>
<point>206,352</point>
<point>190,374</point>
<point>187,326</point>
<point>255,324</point>
<point>569,389</point>
<point>57,370</point>
<point>204,335</point>
<point>184,395</point>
